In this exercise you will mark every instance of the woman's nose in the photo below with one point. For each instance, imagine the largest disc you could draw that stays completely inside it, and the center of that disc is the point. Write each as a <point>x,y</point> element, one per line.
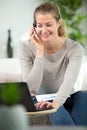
<point>44,29</point>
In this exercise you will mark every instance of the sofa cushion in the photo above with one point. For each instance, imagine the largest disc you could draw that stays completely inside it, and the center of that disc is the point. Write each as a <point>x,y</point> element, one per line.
<point>9,77</point>
<point>10,70</point>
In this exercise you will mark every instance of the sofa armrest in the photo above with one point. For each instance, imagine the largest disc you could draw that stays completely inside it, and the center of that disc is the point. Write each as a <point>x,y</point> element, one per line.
<point>81,83</point>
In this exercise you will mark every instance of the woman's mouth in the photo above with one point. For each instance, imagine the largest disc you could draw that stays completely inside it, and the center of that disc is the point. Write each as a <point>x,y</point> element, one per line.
<point>45,35</point>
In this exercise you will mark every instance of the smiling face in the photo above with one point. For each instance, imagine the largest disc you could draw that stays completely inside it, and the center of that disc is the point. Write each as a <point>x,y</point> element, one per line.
<point>47,27</point>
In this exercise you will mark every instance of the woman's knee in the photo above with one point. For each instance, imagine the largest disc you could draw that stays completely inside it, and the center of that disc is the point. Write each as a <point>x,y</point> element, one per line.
<point>79,110</point>
<point>61,117</point>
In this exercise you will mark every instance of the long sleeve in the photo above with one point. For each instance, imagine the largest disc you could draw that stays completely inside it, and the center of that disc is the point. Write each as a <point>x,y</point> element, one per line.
<point>31,67</point>
<point>74,62</point>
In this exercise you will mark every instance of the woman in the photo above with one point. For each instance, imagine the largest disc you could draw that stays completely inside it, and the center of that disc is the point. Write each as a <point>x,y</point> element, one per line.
<point>50,61</point>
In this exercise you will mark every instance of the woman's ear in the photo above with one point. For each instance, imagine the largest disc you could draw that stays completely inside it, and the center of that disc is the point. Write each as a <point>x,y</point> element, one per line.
<point>59,22</point>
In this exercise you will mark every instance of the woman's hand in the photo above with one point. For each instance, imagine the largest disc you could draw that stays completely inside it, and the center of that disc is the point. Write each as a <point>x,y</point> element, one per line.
<point>46,104</point>
<point>38,44</point>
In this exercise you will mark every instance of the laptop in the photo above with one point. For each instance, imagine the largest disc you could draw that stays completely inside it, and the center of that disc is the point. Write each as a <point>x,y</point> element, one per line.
<point>26,99</point>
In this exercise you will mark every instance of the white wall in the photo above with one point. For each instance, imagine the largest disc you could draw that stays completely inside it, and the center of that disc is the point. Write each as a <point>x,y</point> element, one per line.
<point>16,15</point>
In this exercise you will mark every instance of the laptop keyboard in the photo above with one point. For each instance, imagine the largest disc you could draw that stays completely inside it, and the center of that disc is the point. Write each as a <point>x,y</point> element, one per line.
<point>43,109</point>
<point>39,109</point>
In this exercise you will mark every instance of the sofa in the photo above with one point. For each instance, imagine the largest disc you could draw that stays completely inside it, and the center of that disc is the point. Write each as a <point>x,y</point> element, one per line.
<point>10,72</point>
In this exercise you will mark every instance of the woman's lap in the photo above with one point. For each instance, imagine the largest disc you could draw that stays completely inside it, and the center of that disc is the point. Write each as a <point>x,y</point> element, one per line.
<point>73,112</point>
<point>61,117</point>
<point>79,111</point>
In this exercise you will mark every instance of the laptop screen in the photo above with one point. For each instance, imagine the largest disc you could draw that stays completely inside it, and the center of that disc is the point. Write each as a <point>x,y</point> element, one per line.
<point>18,88</point>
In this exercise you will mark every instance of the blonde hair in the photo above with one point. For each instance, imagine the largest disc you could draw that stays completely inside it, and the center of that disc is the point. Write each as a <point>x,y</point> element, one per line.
<point>53,9</point>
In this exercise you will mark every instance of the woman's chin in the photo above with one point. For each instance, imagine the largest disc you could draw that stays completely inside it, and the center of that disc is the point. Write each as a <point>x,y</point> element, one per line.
<point>45,40</point>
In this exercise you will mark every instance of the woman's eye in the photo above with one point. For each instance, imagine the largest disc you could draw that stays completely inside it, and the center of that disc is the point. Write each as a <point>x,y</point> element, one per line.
<point>49,25</point>
<point>39,26</point>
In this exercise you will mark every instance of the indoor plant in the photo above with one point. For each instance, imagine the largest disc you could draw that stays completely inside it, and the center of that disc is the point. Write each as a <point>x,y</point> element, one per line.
<point>12,114</point>
<point>73,17</point>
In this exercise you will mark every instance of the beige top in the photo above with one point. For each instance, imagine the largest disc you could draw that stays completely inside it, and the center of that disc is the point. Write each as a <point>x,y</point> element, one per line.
<point>54,73</point>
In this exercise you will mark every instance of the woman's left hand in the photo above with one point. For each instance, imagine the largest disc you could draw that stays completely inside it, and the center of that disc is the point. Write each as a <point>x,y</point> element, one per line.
<point>46,104</point>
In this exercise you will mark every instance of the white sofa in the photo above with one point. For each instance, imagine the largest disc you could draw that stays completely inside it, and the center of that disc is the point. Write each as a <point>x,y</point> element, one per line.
<point>10,71</point>
<point>81,82</point>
